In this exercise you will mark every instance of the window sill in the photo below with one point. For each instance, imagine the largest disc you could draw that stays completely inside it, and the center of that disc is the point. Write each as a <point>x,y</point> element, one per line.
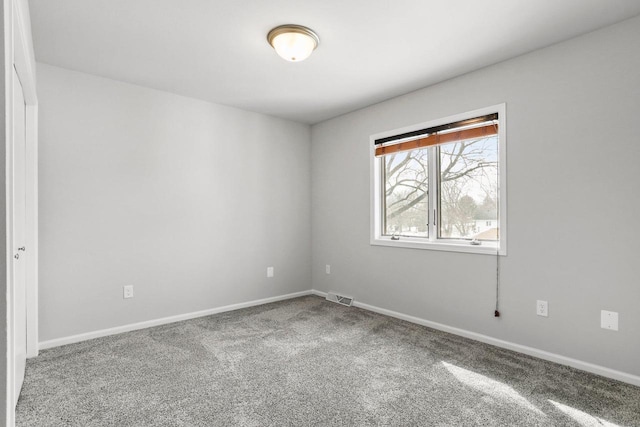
<point>485,248</point>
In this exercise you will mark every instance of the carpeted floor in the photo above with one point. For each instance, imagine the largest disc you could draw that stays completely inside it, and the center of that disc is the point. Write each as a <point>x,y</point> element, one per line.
<point>309,362</point>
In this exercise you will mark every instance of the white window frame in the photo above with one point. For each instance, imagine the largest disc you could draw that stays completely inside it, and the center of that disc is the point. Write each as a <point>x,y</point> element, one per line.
<point>432,242</point>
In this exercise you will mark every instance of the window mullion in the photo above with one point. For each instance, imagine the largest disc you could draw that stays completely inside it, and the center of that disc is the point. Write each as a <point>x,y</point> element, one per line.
<point>382,227</point>
<point>433,192</point>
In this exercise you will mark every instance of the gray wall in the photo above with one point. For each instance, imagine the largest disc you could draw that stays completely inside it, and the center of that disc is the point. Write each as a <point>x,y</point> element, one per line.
<point>573,149</point>
<point>188,201</point>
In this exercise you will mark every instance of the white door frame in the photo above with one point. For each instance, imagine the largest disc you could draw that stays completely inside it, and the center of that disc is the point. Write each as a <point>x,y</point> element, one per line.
<point>19,54</point>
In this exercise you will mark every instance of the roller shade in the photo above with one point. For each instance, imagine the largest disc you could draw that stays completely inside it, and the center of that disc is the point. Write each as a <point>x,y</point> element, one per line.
<point>479,127</point>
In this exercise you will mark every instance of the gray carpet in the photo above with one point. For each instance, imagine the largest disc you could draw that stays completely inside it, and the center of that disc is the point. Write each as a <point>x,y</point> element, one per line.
<point>309,362</point>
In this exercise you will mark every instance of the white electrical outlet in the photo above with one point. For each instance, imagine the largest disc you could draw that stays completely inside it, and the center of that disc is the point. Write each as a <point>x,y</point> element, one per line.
<point>542,308</point>
<point>269,271</point>
<point>327,269</point>
<point>127,291</point>
<point>609,320</point>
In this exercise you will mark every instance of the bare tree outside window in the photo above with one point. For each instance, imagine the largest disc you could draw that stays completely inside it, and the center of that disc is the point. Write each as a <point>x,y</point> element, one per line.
<point>468,190</point>
<point>406,193</point>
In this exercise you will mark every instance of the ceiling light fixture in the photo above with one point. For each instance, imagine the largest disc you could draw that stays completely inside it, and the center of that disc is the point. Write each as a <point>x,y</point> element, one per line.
<point>293,42</point>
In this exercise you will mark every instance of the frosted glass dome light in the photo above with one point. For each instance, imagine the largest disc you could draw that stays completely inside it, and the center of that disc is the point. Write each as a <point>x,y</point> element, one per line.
<point>293,42</point>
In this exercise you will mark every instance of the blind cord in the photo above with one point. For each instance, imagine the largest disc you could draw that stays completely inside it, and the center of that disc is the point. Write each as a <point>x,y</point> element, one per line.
<point>496,313</point>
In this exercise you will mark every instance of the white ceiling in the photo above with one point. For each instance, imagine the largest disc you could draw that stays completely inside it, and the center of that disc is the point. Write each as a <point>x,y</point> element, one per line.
<point>370,50</point>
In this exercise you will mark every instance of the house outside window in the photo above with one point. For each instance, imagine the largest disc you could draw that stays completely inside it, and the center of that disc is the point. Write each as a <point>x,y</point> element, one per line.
<point>442,185</point>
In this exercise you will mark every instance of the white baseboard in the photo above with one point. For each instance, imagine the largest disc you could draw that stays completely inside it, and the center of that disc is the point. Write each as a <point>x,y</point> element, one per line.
<point>163,321</point>
<point>319,293</point>
<point>541,354</point>
<point>552,357</point>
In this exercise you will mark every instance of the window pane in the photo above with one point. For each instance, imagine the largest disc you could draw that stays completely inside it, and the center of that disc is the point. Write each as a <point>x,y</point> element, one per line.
<point>469,190</point>
<point>406,199</point>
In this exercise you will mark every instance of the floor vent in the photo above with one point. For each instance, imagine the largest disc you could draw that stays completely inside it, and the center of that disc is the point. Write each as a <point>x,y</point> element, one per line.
<point>340,299</point>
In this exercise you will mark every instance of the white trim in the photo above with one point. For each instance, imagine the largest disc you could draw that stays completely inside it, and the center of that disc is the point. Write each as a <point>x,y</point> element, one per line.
<point>8,86</point>
<point>376,238</point>
<point>31,225</point>
<point>24,63</point>
<point>22,54</point>
<point>417,243</point>
<point>165,320</point>
<point>19,55</point>
<point>541,354</point>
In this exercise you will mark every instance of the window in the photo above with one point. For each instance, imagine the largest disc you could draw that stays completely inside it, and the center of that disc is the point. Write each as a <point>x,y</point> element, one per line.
<point>441,185</point>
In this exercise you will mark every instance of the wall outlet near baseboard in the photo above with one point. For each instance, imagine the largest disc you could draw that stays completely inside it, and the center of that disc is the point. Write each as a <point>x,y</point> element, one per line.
<point>127,291</point>
<point>270,272</point>
<point>542,308</point>
<point>609,320</point>
<point>327,269</point>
